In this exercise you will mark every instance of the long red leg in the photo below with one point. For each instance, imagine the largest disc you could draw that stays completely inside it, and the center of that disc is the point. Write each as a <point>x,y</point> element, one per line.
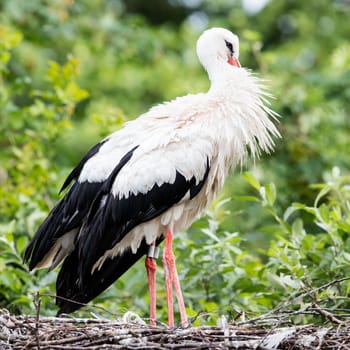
<point>171,277</point>
<point>180,299</point>
<point>167,257</point>
<point>151,267</point>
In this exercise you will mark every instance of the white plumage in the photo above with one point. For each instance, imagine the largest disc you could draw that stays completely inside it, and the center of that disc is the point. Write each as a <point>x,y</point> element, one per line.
<point>183,148</point>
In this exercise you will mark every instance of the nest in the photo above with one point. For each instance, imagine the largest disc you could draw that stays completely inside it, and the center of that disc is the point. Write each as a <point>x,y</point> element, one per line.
<point>34,332</point>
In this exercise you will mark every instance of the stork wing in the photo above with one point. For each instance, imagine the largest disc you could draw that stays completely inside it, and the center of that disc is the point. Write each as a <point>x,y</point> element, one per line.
<point>113,214</point>
<point>65,218</point>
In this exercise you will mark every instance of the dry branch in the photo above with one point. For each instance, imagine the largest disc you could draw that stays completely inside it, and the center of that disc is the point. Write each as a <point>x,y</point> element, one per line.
<point>31,332</point>
<point>273,330</point>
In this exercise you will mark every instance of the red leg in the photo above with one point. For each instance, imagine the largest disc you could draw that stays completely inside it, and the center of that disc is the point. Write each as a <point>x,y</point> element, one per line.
<point>180,299</point>
<point>171,277</point>
<point>151,267</point>
<point>168,278</point>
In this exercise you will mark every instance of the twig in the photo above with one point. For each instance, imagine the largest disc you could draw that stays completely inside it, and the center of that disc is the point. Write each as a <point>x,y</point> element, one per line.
<point>98,334</point>
<point>329,316</point>
<point>293,300</point>
<point>37,303</point>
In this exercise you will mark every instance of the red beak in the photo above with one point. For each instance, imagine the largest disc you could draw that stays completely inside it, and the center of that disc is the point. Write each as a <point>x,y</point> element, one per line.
<point>234,62</point>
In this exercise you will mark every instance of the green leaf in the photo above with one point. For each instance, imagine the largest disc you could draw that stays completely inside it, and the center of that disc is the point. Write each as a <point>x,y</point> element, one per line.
<point>249,177</point>
<point>271,193</point>
<point>321,194</point>
<point>289,211</point>
<point>324,213</point>
<point>246,198</point>
<point>297,227</point>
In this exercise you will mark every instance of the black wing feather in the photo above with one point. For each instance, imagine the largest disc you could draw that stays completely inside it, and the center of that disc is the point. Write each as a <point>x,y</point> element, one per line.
<point>67,215</point>
<point>106,226</point>
<point>103,220</point>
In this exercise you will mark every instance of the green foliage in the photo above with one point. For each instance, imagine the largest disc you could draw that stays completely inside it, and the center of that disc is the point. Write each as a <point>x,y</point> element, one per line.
<point>27,132</point>
<point>310,249</point>
<point>264,247</point>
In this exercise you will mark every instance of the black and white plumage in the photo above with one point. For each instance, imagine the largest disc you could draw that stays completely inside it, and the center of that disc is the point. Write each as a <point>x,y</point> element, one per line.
<point>158,173</point>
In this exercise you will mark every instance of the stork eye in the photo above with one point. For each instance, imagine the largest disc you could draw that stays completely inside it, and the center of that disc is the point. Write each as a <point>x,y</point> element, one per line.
<point>229,46</point>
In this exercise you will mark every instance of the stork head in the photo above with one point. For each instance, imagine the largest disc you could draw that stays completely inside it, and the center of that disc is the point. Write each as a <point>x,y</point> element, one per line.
<point>218,47</point>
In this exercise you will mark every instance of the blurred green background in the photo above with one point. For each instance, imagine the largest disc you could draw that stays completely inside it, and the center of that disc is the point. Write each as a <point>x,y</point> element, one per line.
<point>71,72</point>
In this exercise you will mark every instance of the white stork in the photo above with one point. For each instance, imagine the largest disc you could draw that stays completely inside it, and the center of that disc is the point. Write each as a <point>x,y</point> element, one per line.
<point>151,179</point>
